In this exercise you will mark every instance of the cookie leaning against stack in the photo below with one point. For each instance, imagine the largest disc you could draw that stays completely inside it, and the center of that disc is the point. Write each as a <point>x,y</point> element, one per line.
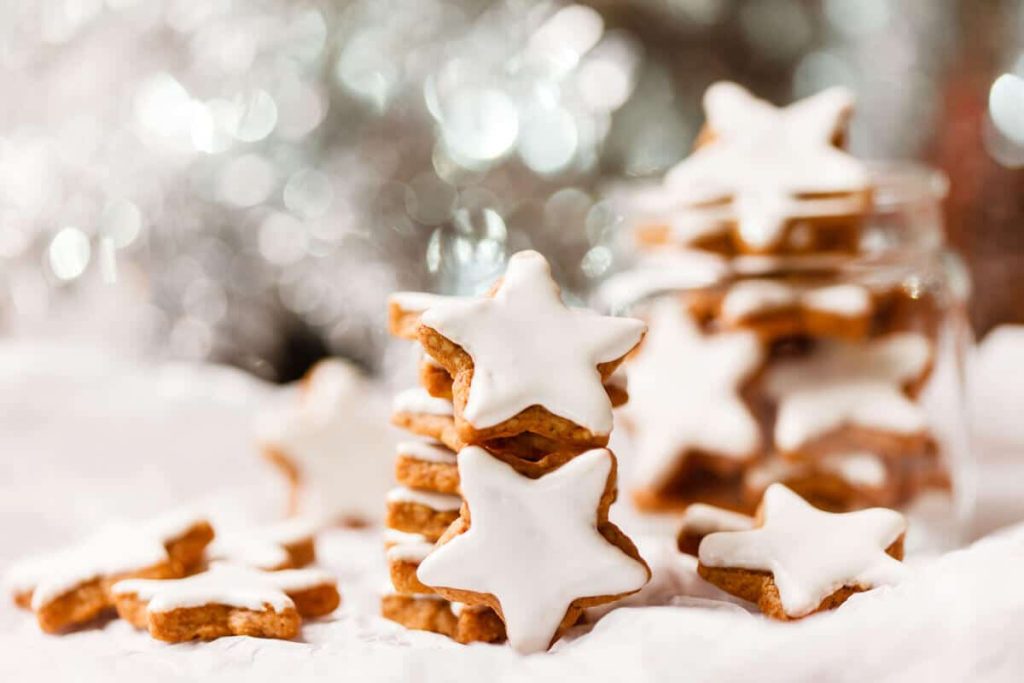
<point>532,389</point>
<point>790,368</point>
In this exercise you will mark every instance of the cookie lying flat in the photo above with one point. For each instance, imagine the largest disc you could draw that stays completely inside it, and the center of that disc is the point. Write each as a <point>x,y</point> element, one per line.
<point>227,600</point>
<point>285,545</point>
<point>523,362</point>
<point>535,550</point>
<point>837,482</point>
<point>801,560</point>
<point>405,551</point>
<point>461,623</point>
<point>776,309</point>
<point>421,512</point>
<point>72,586</point>
<point>700,520</point>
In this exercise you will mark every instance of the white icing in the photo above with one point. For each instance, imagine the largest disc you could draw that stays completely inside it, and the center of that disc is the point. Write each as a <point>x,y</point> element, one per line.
<point>683,389</point>
<point>225,584</point>
<point>333,436</point>
<point>261,548</point>
<point>861,469</point>
<point>421,450</point>
<point>417,400</point>
<point>763,157</point>
<point>750,297</point>
<point>415,302</point>
<point>811,553</point>
<point>701,519</point>
<point>529,349</point>
<point>410,552</point>
<point>394,537</point>
<point>841,383</point>
<point>435,501</point>
<point>533,544</point>
<point>662,272</point>
<point>117,549</point>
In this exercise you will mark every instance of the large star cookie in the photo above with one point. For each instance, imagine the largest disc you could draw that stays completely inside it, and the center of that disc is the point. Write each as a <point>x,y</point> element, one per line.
<point>802,560</point>
<point>227,600</point>
<point>331,445</point>
<point>684,388</point>
<point>522,361</point>
<point>771,165</point>
<point>536,550</point>
<point>72,586</point>
<point>846,386</point>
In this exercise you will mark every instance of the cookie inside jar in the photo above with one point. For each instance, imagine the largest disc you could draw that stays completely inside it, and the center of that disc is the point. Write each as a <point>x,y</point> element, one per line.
<point>827,356</point>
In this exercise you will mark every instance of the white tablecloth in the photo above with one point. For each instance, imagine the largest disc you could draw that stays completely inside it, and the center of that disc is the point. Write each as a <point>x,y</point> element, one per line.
<point>85,437</point>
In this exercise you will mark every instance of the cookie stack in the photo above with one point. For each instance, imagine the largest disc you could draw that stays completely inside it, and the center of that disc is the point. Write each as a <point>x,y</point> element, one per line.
<point>792,365</point>
<point>426,500</point>
<point>517,394</point>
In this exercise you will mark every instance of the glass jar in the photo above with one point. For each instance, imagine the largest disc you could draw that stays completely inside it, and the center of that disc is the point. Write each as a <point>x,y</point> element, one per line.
<point>840,374</point>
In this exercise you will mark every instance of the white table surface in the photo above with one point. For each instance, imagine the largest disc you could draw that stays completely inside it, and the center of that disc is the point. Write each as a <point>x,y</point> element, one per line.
<point>85,437</point>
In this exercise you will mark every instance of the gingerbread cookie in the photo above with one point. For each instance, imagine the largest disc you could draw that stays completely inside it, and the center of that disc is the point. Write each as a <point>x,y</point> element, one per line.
<point>72,586</point>
<point>416,411</point>
<point>837,482</point>
<point>776,309</point>
<point>462,623</point>
<point>285,545</point>
<point>227,600</point>
<point>404,552</point>
<point>327,444</point>
<point>844,396</point>
<point>788,188</point>
<point>801,560</point>
<point>536,550</point>
<point>427,466</point>
<point>523,362</point>
<point>699,520</point>
<point>421,512</point>
<point>686,402</point>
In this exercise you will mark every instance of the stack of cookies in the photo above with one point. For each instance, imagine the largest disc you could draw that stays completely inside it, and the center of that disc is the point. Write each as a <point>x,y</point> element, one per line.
<point>515,484</point>
<point>797,365</point>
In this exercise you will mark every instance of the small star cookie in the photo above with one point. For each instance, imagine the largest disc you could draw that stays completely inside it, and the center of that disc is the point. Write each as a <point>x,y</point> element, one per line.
<point>685,397</point>
<point>70,587</point>
<point>801,560</point>
<point>861,389</point>
<point>522,361</point>
<point>227,600</point>
<point>289,544</point>
<point>778,171</point>
<point>537,551</point>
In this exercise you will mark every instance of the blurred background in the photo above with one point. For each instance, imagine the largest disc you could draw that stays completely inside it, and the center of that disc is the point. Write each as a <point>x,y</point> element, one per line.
<point>245,181</point>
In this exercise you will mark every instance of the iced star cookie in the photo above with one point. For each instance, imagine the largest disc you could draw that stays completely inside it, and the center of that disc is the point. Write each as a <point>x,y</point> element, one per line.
<point>778,173</point>
<point>284,545</point>
<point>536,550</point>
<point>421,512</point>
<point>227,600</point>
<point>523,362</point>
<point>462,623</point>
<point>844,396</point>
<point>404,553</point>
<point>801,560</point>
<point>405,309</point>
<point>686,408</point>
<point>70,587</point>
<point>699,520</point>
<point>328,445</point>
<point>428,466</point>
<point>774,309</point>
<point>837,482</point>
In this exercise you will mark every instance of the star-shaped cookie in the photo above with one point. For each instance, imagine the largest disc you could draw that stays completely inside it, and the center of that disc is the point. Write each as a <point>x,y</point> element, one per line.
<point>842,384</point>
<point>800,559</point>
<point>535,550</point>
<point>522,361</point>
<point>684,388</point>
<point>771,164</point>
<point>227,600</point>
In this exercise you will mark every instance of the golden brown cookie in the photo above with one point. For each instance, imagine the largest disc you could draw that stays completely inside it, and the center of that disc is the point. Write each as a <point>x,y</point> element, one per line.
<point>464,624</point>
<point>227,600</point>
<point>837,482</point>
<point>421,512</point>
<point>427,466</point>
<point>800,560</point>
<point>72,586</point>
<point>289,544</point>
<point>699,520</point>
